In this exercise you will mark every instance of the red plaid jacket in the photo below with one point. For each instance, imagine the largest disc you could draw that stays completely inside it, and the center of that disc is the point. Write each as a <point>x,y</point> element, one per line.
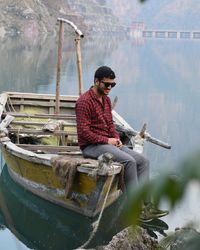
<point>94,120</point>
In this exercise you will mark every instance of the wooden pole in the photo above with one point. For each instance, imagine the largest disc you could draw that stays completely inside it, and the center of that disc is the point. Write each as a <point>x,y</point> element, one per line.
<point>59,62</point>
<point>79,35</point>
<point>79,63</point>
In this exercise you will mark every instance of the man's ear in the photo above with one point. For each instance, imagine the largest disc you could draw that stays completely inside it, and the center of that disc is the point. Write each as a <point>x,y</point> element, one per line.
<point>96,81</point>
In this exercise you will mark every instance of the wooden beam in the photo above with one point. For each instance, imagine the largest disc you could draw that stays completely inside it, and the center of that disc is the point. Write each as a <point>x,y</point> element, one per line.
<point>8,119</point>
<point>45,103</point>
<point>19,95</point>
<point>45,116</point>
<point>32,123</point>
<point>40,132</point>
<point>50,148</point>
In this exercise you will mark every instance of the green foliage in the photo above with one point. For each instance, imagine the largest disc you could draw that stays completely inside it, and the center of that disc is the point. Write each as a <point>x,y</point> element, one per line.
<point>169,187</point>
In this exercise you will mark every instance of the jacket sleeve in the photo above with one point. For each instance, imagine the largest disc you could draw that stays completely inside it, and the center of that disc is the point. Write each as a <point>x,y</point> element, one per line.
<point>83,119</point>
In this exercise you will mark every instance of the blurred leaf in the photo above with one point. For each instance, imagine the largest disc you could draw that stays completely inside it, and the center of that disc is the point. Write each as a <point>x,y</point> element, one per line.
<point>192,244</point>
<point>135,202</point>
<point>167,187</point>
<point>151,233</point>
<point>167,241</point>
<point>156,224</point>
<point>190,168</point>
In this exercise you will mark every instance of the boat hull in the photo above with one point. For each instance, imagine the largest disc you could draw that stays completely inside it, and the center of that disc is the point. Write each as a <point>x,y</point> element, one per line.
<point>40,179</point>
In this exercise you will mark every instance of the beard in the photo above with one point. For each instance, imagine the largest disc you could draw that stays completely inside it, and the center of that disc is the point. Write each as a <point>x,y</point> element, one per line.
<point>100,90</point>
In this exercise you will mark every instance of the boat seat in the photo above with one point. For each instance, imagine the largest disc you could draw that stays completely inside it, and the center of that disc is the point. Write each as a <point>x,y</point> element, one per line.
<point>40,132</point>
<point>50,149</point>
<point>64,137</point>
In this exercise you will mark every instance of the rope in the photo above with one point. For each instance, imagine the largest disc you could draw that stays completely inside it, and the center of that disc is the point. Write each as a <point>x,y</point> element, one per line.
<point>96,226</point>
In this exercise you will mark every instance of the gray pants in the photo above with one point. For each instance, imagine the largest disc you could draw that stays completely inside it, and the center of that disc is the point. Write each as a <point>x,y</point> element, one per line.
<point>136,166</point>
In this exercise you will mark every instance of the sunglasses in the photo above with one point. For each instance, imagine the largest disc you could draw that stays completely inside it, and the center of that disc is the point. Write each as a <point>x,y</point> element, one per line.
<point>108,84</point>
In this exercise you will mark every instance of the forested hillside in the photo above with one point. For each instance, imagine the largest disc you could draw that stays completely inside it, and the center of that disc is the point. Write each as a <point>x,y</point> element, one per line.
<point>39,16</point>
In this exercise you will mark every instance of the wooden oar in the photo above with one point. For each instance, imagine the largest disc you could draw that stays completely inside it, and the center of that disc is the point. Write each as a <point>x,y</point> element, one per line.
<point>132,132</point>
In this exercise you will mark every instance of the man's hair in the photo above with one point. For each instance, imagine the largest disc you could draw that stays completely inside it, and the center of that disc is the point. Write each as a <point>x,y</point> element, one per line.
<point>104,71</point>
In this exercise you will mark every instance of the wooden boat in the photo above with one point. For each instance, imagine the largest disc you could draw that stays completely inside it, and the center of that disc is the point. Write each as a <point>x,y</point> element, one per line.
<point>41,151</point>
<point>35,153</point>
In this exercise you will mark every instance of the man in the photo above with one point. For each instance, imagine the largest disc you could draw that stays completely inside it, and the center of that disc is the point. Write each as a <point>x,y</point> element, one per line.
<point>97,134</point>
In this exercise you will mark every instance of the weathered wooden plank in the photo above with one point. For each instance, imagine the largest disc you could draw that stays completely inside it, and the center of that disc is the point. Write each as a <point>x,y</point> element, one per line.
<point>40,132</point>
<point>32,123</point>
<point>45,116</point>
<point>8,119</point>
<point>49,148</point>
<point>42,103</point>
<point>40,96</point>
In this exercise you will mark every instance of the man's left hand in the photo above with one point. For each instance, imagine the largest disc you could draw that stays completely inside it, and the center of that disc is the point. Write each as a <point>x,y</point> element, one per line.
<point>119,144</point>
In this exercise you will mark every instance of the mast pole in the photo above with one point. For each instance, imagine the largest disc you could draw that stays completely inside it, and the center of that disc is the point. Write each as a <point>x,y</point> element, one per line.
<point>79,63</point>
<point>59,62</point>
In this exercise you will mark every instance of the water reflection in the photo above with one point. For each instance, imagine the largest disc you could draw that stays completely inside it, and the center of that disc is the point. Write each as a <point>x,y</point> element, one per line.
<point>22,63</point>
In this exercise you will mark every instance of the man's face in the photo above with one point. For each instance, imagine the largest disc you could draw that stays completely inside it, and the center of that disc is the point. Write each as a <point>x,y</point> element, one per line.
<point>104,86</point>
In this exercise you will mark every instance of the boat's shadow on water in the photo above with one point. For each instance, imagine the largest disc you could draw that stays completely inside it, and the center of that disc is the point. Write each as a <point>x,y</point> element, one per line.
<point>42,225</point>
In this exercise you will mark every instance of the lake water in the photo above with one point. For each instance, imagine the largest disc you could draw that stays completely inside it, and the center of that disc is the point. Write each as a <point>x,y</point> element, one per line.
<point>157,83</point>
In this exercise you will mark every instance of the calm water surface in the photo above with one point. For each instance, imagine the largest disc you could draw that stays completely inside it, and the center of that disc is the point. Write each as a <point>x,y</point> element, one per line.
<point>157,82</point>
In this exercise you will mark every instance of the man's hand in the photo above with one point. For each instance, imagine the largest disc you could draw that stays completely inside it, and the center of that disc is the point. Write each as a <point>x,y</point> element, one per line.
<point>115,142</point>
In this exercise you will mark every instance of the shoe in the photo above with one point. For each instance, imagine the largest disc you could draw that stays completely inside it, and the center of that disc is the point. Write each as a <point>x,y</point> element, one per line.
<point>154,211</point>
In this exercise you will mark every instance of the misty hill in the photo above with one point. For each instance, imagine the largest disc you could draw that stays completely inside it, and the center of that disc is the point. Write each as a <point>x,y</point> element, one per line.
<point>170,14</point>
<point>39,16</point>
<point>33,17</point>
